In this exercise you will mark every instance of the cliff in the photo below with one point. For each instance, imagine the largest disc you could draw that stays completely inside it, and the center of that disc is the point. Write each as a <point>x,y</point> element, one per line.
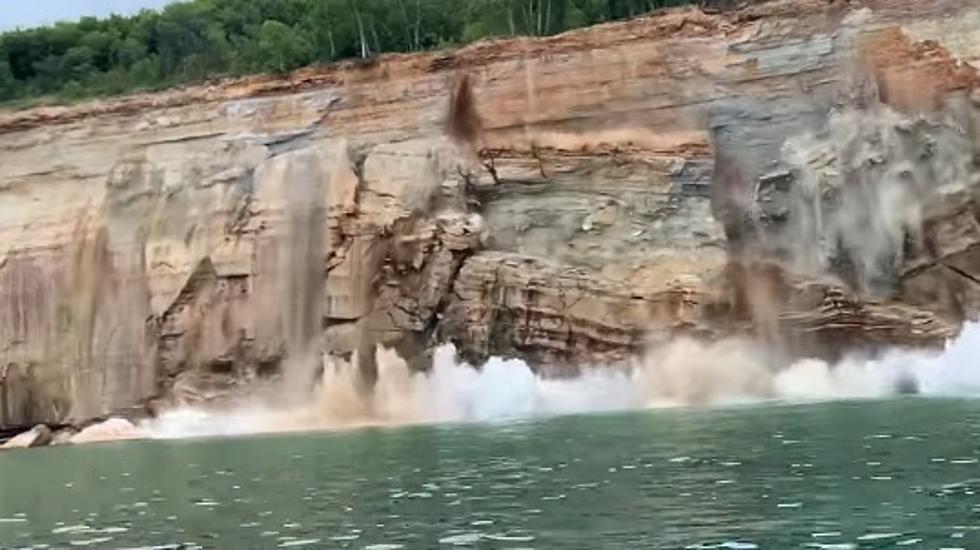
<point>804,171</point>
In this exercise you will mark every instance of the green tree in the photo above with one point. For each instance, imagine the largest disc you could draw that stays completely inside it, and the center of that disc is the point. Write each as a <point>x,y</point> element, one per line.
<point>47,74</point>
<point>329,26</point>
<point>489,18</point>
<point>126,52</point>
<point>283,48</point>
<point>8,84</point>
<point>77,64</point>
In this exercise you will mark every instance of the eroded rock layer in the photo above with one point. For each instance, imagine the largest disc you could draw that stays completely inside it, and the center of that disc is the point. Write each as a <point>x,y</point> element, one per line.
<point>800,170</point>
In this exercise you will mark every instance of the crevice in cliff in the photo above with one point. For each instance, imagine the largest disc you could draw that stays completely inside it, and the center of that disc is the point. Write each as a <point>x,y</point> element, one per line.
<point>357,157</point>
<point>539,160</point>
<point>203,274</point>
<point>431,330</point>
<point>962,273</point>
<point>238,224</point>
<point>187,139</point>
<point>287,143</point>
<point>489,164</point>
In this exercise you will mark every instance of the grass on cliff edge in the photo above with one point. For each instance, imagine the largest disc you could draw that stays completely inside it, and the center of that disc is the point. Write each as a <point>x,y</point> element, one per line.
<point>196,40</point>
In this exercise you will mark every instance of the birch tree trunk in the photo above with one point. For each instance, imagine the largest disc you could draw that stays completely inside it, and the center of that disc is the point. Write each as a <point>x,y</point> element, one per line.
<point>547,17</point>
<point>365,49</point>
<point>418,25</point>
<point>409,43</point>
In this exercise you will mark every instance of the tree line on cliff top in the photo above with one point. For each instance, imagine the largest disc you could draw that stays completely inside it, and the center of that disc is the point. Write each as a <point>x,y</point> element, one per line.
<point>195,40</point>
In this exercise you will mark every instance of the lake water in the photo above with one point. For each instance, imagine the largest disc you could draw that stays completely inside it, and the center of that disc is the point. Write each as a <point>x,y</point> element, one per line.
<point>878,474</point>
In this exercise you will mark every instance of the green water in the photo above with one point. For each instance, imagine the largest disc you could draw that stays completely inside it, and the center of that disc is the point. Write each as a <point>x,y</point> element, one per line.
<point>890,474</point>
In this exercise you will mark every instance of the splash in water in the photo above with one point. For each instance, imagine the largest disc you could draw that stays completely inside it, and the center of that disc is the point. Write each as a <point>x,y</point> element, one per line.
<point>684,373</point>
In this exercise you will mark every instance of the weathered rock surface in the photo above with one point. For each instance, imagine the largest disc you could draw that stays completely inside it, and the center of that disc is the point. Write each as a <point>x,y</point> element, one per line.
<point>38,436</point>
<point>63,436</point>
<point>800,170</point>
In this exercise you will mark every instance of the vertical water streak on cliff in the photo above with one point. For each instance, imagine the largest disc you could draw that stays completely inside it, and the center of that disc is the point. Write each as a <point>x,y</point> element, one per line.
<point>86,285</point>
<point>27,309</point>
<point>531,113</point>
<point>125,328</point>
<point>99,328</point>
<point>302,178</point>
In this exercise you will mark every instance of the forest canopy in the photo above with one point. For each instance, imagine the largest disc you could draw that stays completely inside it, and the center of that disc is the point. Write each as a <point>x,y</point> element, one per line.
<point>199,39</point>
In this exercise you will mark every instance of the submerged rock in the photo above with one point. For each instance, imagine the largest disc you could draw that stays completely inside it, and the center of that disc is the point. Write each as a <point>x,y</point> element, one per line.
<point>38,436</point>
<point>907,385</point>
<point>63,437</point>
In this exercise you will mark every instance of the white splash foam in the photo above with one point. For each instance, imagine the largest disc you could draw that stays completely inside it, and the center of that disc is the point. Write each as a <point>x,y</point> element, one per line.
<point>685,372</point>
<point>954,372</point>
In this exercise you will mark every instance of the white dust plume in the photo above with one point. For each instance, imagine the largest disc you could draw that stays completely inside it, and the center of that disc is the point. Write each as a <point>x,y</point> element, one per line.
<point>686,372</point>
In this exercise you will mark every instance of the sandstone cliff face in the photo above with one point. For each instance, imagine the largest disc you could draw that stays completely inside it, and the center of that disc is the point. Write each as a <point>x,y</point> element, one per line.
<point>800,170</point>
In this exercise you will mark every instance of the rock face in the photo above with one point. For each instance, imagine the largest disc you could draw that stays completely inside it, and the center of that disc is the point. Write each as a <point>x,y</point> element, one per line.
<point>801,170</point>
<point>38,436</point>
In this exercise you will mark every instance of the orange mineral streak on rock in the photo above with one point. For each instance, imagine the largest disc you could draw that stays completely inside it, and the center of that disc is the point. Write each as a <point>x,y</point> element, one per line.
<point>916,75</point>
